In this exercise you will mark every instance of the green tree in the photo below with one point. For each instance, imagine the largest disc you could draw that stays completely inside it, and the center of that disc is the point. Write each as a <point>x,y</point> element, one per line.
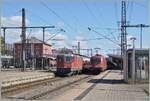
<point>2,45</point>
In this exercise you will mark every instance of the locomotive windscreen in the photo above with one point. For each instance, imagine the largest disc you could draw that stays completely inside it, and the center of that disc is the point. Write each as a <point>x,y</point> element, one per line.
<point>95,60</point>
<point>68,59</point>
<point>60,58</point>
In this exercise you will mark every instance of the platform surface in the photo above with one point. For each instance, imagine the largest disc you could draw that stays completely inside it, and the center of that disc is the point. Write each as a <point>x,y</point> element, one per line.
<point>110,87</point>
<point>13,76</point>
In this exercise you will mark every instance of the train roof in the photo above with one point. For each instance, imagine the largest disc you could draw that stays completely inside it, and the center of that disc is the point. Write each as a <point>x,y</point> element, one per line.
<point>73,54</point>
<point>86,59</point>
<point>96,55</point>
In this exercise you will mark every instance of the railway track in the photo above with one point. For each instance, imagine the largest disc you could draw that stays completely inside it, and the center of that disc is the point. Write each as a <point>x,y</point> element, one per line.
<point>46,88</point>
<point>51,94</point>
<point>83,94</point>
<point>37,89</point>
<point>38,96</point>
<point>10,90</point>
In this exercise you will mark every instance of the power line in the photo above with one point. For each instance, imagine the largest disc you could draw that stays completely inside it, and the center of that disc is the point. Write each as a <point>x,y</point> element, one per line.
<point>104,36</point>
<point>141,5</point>
<point>38,16</point>
<point>100,13</point>
<point>29,33</point>
<point>90,11</point>
<point>116,11</point>
<point>131,11</point>
<point>89,39</point>
<point>113,36</point>
<point>10,7</point>
<point>113,30</point>
<point>56,15</point>
<point>127,4</point>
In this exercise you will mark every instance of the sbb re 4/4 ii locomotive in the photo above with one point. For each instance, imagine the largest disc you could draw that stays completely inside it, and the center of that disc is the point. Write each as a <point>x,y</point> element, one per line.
<point>68,64</point>
<point>98,63</point>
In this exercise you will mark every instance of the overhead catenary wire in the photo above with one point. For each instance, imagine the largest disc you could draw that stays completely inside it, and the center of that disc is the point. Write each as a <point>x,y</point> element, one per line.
<point>128,3</point>
<point>52,11</point>
<point>89,39</point>
<point>29,33</point>
<point>90,11</point>
<point>113,30</point>
<point>116,11</point>
<point>38,16</point>
<point>140,4</point>
<point>113,36</point>
<point>10,7</point>
<point>116,43</point>
<point>131,11</point>
<point>100,13</point>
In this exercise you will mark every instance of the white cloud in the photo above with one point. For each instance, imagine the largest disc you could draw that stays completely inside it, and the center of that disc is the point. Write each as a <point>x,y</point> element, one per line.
<point>13,21</point>
<point>60,36</point>
<point>83,44</point>
<point>60,42</point>
<point>12,35</point>
<point>60,24</point>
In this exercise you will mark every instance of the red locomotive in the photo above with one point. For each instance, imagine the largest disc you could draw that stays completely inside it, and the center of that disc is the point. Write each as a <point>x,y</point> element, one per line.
<point>98,63</point>
<point>68,64</point>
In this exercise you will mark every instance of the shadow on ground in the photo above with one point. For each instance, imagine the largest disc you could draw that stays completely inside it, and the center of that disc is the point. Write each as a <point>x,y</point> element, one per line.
<point>106,81</point>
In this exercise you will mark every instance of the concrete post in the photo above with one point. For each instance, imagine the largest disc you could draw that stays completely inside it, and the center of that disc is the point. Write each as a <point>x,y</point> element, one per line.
<point>78,47</point>
<point>33,56</point>
<point>133,60</point>
<point>23,36</point>
<point>133,64</point>
<point>0,62</point>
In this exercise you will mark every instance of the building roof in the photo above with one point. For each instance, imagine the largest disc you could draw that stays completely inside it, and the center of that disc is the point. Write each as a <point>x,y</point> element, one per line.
<point>115,56</point>
<point>139,51</point>
<point>33,40</point>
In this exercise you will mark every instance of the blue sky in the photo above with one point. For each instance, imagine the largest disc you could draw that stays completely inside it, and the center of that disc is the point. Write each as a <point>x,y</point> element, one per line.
<point>76,16</point>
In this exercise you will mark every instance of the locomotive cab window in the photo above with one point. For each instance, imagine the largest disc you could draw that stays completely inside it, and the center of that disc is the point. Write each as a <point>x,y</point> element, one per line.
<point>69,59</point>
<point>95,60</point>
<point>60,58</point>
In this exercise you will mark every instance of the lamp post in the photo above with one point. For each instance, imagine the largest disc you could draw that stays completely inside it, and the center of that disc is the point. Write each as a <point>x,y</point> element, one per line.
<point>133,58</point>
<point>129,45</point>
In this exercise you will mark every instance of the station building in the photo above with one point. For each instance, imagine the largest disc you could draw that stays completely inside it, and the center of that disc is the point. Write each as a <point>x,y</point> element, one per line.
<point>37,53</point>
